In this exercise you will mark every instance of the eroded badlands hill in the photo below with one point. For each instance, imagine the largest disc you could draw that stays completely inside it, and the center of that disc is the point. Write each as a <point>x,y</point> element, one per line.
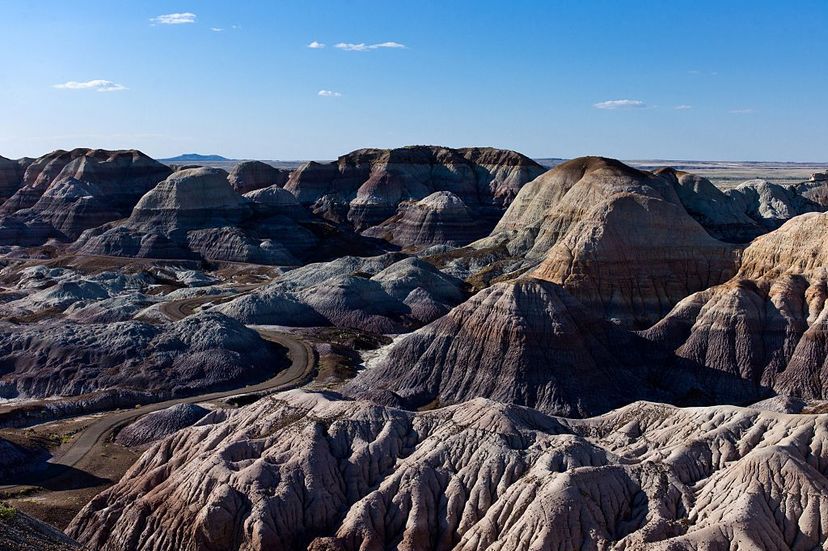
<point>365,187</point>
<point>626,243</point>
<point>195,213</point>
<point>144,361</point>
<point>530,342</point>
<point>442,218</point>
<point>382,294</point>
<point>64,193</point>
<point>769,323</point>
<point>302,469</point>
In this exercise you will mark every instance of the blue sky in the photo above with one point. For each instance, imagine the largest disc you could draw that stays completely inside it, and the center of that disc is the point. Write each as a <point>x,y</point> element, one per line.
<point>732,80</point>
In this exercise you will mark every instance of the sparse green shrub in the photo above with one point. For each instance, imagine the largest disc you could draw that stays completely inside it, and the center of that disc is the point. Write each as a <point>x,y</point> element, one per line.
<point>6,512</point>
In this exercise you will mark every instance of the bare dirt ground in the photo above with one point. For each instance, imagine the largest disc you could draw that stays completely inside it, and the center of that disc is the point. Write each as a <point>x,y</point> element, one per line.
<point>61,498</point>
<point>59,503</point>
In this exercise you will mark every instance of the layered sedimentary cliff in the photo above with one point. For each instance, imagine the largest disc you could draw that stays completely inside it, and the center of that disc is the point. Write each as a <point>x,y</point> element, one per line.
<point>442,218</point>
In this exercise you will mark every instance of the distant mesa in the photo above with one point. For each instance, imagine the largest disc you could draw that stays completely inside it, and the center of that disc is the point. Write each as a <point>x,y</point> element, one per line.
<point>195,158</point>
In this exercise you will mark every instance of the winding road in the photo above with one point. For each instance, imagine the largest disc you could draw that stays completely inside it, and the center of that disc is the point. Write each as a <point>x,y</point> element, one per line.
<point>300,372</point>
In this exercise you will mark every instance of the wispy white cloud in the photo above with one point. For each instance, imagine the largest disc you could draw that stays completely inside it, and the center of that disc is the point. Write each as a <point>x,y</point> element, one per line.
<point>363,47</point>
<point>329,94</point>
<point>682,107</point>
<point>387,45</point>
<point>97,85</point>
<point>316,45</point>
<point>741,111</point>
<point>620,104</point>
<point>216,29</point>
<point>174,18</point>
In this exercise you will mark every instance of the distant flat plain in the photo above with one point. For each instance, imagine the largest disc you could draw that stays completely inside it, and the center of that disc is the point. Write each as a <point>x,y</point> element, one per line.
<point>724,174</point>
<point>729,174</point>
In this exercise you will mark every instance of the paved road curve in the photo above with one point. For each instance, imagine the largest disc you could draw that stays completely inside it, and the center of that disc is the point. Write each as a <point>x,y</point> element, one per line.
<point>301,368</point>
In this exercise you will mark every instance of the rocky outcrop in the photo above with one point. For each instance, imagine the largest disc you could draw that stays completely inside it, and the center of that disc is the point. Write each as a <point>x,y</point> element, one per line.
<point>366,186</point>
<point>160,424</point>
<point>154,361</point>
<point>769,322</point>
<point>379,295</point>
<point>252,175</point>
<point>304,470</point>
<point>440,218</point>
<point>816,191</point>
<point>532,343</point>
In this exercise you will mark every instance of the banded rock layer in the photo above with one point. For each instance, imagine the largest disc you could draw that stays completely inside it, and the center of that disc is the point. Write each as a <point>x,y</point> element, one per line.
<point>618,239</point>
<point>529,342</point>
